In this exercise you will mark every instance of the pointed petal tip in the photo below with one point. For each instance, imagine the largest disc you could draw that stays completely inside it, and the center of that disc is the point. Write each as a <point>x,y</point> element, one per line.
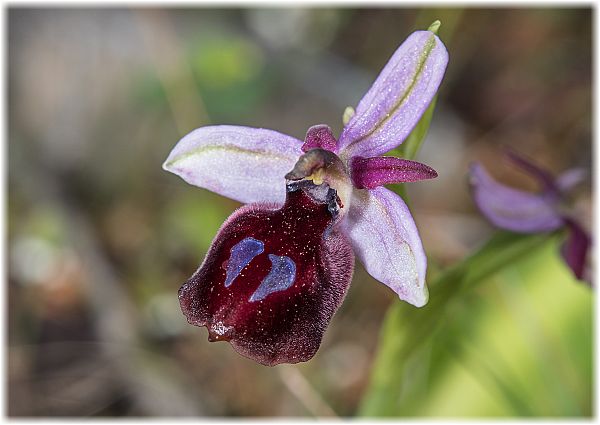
<point>400,95</point>
<point>435,26</point>
<point>419,298</point>
<point>168,165</point>
<point>431,173</point>
<point>570,178</point>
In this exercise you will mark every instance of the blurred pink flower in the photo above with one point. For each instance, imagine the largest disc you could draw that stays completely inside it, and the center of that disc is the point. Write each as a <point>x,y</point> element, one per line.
<point>526,212</point>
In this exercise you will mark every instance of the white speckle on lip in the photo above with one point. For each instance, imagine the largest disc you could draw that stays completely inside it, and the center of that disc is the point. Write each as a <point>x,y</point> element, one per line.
<point>220,329</point>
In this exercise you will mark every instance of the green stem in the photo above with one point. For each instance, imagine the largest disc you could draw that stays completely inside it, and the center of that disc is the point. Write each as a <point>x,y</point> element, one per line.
<point>411,146</point>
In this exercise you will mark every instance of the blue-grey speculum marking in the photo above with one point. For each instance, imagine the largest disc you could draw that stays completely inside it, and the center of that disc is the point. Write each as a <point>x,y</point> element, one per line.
<point>242,254</point>
<point>280,277</point>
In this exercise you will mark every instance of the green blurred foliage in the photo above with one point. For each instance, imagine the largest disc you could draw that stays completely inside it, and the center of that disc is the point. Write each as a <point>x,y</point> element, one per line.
<point>508,332</point>
<point>195,220</point>
<point>230,73</point>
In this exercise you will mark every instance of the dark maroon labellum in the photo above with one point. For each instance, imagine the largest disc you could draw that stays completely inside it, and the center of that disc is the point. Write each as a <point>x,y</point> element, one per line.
<point>273,278</point>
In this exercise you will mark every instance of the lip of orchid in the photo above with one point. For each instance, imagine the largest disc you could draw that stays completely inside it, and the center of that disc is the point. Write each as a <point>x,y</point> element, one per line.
<point>273,277</point>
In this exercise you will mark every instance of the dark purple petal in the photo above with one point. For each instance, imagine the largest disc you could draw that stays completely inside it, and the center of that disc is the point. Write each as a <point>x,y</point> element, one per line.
<point>575,248</point>
<point>545,178</point>
<point>320,136</point>
<point>510,208</point>
<point>391,108</point>
<point>368,173</point>
<point>273,278</point>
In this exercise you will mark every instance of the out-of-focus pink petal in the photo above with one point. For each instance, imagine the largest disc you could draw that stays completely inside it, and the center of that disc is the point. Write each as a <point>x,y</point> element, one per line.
<point>545,178</point>
<point>398,98</point>
<point>243,163</point>
<point>368,173</point>
<point>512,209</point>
<point>570,178</point>
<point>575,248</point>
<point>320,136</point>
<point>385,239</point>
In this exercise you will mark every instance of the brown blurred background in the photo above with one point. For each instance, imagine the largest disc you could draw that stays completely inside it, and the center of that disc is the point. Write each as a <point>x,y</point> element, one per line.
<point>100,237</point>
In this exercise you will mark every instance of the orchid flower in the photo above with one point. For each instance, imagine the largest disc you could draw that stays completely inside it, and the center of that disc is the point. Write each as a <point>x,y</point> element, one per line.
<point>524,212</point>
<point>279,267</point>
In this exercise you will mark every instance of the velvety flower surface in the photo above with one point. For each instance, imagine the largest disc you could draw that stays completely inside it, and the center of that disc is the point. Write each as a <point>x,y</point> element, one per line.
<point>279,268</point>
<point>525,212</point>
<point>273,277</point>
